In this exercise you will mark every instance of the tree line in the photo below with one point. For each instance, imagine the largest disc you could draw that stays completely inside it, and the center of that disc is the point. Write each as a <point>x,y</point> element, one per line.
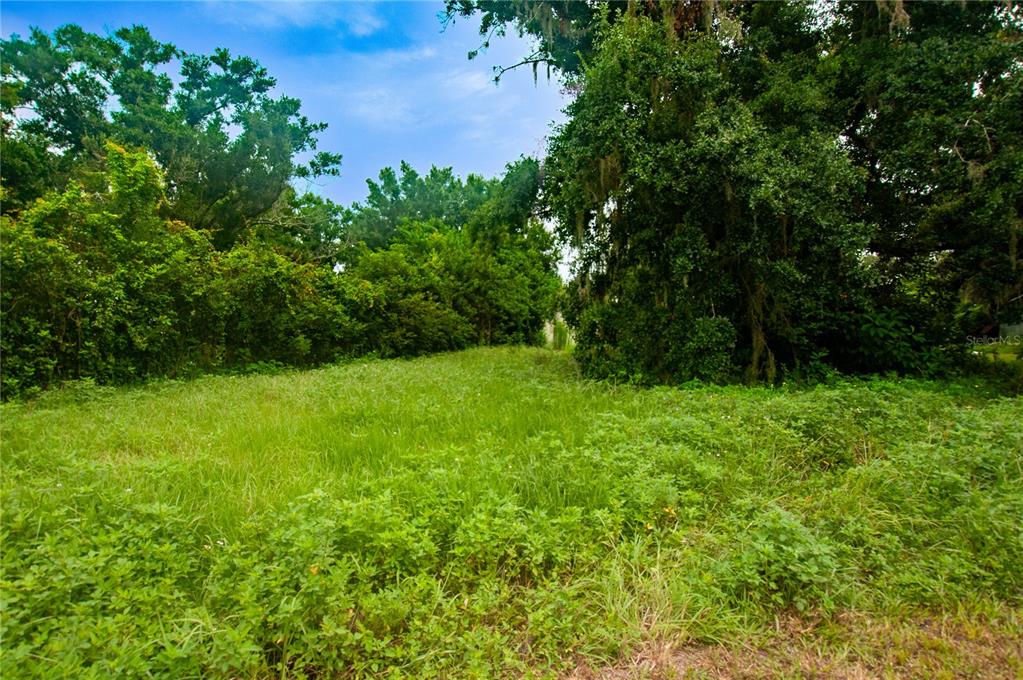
<point>153,229</point>
<point>752,190</point>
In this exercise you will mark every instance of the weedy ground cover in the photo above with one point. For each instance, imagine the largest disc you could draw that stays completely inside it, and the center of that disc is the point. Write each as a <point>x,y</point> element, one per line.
<point>487,514</point>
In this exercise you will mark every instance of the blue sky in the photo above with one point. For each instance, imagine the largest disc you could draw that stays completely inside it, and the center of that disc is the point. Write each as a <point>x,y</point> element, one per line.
<point>391,85</point>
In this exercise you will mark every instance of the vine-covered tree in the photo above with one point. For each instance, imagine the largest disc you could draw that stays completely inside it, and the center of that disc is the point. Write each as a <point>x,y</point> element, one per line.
<point>768,142</point>
<point>713,230</point>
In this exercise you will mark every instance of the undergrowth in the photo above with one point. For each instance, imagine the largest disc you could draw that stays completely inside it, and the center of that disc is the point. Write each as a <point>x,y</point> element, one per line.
<point>485,514</point>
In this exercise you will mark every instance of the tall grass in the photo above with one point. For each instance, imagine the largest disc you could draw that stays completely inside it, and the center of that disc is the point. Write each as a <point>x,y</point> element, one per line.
<point>484,513</point>
<point>562,337</point>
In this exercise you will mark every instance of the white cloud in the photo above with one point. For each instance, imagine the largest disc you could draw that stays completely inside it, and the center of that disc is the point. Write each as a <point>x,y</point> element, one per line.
<point>358,19</point>
<point>379,107</point>
<point>395,57</point>
<point>468,83</point>
<point>362,20</point>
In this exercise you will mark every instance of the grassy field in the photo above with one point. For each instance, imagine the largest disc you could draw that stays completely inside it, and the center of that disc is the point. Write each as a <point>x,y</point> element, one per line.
<point>489,514</point>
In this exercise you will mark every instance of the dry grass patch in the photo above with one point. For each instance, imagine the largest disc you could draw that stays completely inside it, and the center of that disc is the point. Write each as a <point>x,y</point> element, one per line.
<point>850,646</point>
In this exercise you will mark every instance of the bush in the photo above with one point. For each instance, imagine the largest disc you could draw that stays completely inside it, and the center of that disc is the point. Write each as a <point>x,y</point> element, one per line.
<point>785,563</point>
<point>96,284</point>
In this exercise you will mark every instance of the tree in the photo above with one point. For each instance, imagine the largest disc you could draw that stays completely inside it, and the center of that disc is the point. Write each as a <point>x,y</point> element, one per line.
<point>566,30</point>
<point>714,231</point>
<point>227,147</point>
<point>470,254</point>
<point>309,228</point>
<point>909,110</point>
<point>394,200</point>
<point>510,204</point>
<point>929,104</point>
<point>186,247</point>
<point>98,284</point>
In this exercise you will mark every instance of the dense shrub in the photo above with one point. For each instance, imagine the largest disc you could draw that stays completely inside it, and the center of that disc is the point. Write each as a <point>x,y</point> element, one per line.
<point>96,284</point>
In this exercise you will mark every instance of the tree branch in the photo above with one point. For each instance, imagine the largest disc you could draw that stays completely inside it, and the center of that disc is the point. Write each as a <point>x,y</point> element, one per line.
<point>534,59</point>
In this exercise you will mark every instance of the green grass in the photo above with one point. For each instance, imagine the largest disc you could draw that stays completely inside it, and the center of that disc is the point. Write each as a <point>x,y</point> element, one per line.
<point>1010,351</point>
<point>488,513</point>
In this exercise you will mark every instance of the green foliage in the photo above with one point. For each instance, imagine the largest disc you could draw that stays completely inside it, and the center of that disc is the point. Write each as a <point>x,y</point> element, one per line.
<point>227,147</point>
<point>306,228</point>
<point>485,514</point>
<point>753,190</point>
<point>888,339</point>
<point>785,561</point>
<point>931,110</point>
<point>488,210</point>
<point>803,174</point>
<point>394,201</point>
<point>436,282</point>
<point>713,236</point>
<point>182,247</point>
<point>408,311</point>
<point>566,33</point>
<point>98,284</point>
<point>277,310</point>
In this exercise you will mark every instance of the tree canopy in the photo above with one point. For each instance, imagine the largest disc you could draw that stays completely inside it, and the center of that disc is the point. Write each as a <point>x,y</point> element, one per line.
<point>227,147</point>
<point>753,190</point>
<point>762,186</point>
<point>152,228</point>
